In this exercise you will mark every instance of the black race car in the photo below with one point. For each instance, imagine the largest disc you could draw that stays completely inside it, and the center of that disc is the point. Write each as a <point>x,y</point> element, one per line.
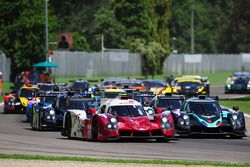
<point>208,117</point>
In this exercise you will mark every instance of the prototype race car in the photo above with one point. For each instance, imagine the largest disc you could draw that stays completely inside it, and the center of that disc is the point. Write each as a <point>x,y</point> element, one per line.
<point>131,84</point>
<point>157,86</point>
<point>17,103</point>
<point>188,87</point>
<point>204,80</point>
<point>48,87</point>
<point>208,117</point>
<point>109,83</point>
<point>117,119</point>
<point>43,114</point>
<point>238,83</point>
<point>171,104</point>
<point>79,86</point>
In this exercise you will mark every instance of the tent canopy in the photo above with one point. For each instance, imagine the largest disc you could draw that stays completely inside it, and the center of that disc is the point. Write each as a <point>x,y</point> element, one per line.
<point>46,64</point>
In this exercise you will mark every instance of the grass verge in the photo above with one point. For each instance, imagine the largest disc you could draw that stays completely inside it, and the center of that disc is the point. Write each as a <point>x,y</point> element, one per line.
<point>85,159</point>
<point>242,103</point>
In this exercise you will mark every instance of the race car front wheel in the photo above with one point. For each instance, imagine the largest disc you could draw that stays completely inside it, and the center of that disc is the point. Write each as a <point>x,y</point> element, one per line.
<point>68,125</point>
<point>95,129</point>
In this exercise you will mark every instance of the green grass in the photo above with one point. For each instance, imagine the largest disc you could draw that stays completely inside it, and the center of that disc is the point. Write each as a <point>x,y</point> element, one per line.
<point>106,160</point>
<point>242,103</point>
<point>218,78</point>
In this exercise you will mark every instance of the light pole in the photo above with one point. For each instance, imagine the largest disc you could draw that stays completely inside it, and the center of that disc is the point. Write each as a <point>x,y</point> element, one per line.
<point>192,29</point>
<point>46,30</point>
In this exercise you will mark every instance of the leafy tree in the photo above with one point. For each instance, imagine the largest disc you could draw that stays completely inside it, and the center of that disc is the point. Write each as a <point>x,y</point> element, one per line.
<point>105,24</point>
<point>134,16</point>
<point>80,42</point>
<point>151,55</point>
<point>236,36</point>
<point>160,15</point>
<point>209,18</point>
<point>22,32</point>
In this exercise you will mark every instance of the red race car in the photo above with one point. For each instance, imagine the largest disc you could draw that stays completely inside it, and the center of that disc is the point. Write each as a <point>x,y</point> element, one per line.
<point>17,103</point>
<point>118,119</point>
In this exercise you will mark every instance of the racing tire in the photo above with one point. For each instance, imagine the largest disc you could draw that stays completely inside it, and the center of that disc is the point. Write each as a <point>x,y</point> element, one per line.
<point>32,120</point>
<point>5,111</point>
<point>68,125</point>
<point>40,128</point>
<point>95,129</point>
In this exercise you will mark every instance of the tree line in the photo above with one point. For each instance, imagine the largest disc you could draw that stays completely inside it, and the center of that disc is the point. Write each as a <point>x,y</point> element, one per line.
<point>154,28</point>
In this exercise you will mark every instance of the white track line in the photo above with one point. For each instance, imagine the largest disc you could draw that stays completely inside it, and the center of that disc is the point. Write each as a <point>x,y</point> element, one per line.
<point>246,115</point>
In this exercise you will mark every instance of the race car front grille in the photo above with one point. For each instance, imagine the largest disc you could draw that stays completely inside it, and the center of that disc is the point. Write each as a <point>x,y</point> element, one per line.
<point>205,130</point>
<point>141,133</point>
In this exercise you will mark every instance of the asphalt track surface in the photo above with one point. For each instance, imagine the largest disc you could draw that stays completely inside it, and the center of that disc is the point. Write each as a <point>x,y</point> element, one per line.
<point>16,137</point>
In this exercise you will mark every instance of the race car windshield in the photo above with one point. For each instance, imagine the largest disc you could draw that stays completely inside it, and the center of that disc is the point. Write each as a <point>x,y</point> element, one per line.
<point>144,99</point>
<point>80,85</point>
<point>49,99</point>
<point>241,81</point>
<point>28,92</point>
<point>166,103</point>
<point>130,110</point>
<point>111,95</point>
<point>151,84</point>
<point>207,108</point>
<point>191,84</point>
<point>77,105</point>
<point>48,87</point>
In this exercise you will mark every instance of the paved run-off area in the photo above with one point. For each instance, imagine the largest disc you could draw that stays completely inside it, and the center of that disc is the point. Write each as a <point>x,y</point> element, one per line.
<point>43,163</point>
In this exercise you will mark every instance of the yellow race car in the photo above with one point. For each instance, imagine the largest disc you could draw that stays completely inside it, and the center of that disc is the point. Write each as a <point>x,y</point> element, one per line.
<point>188,87</point>
<point>24,95</point>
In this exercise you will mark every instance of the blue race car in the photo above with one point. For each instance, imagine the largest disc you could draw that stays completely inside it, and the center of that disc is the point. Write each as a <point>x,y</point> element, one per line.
<point>43,115</point>
<point>238,83</point>
<point>208,117</point>
<point>171,104</point>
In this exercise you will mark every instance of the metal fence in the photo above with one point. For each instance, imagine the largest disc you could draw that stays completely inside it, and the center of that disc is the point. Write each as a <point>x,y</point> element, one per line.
<point>196,63</point>
<point>96,63</point>
<point>5,64</point>
<point>124,63</point>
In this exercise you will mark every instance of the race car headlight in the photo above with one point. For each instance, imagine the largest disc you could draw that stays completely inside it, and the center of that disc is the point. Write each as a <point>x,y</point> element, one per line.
<point>165,124</point>
<point>248,85</point>
<point>185,117</point>
<point>112,123</point>
<point>51,112</point>
<point>113,120</point>
<point>183,121</point>
<point>109,126</point>
<point>229,86</point>
<point>200,89</point>
<point>11,103</point>
<point>150,112</point>
<point>164,119</point>
<point>235,117</point>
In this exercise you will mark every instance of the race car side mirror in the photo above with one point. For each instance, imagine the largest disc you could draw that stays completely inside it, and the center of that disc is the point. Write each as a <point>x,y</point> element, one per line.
<point>235,108</point>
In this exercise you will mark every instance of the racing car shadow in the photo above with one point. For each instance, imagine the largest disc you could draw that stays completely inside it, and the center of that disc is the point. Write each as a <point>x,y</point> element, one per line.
<point>122,140</point>
<point>209,136</point>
